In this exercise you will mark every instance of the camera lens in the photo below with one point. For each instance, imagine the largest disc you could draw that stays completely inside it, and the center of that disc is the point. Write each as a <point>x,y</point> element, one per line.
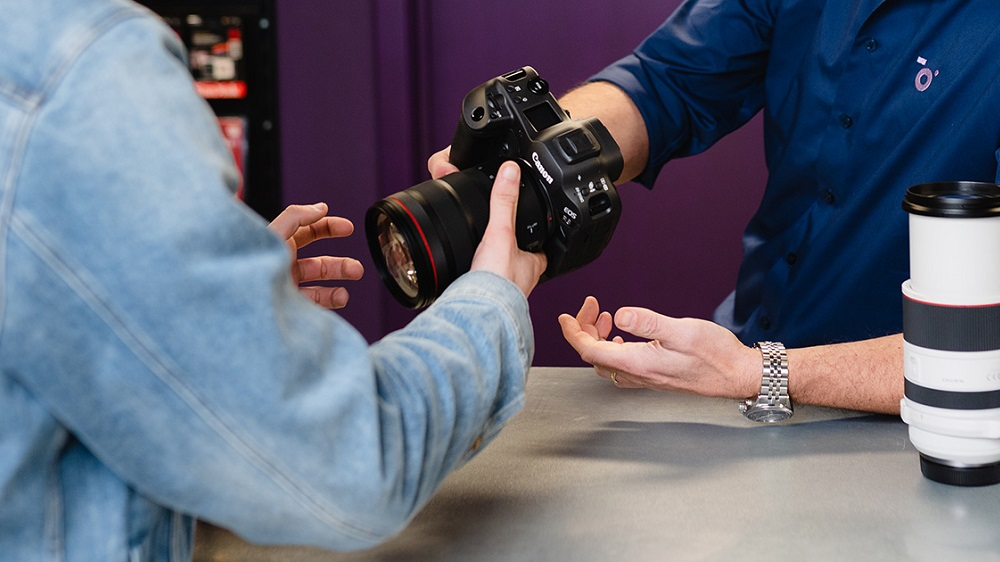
<point>951,331</point>
<point>425,237</point>
<point>396,253</point>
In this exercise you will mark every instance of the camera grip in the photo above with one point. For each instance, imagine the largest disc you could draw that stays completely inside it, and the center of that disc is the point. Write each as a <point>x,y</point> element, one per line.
<point>470,147</point>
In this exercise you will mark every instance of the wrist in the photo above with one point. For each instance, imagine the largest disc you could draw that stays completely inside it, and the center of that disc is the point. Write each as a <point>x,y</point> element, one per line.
<point>751,371</point>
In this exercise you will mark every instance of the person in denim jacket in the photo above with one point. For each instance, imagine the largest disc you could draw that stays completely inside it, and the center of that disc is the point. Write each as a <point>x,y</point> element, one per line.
<point>158,363</point>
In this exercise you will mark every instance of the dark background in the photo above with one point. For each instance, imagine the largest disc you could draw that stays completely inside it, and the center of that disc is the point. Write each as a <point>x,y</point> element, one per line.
<point>370,88</point>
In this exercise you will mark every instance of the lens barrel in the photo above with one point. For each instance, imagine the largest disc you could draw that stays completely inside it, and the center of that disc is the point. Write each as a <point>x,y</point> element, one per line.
<point>438,227</point>
<point>423,238</point>
<point>951,331</point>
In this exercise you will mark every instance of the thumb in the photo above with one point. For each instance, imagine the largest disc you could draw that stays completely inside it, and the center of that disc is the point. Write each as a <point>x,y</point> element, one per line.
<point>642,322</point>
<point>439,164</point>
<point>503,199</point>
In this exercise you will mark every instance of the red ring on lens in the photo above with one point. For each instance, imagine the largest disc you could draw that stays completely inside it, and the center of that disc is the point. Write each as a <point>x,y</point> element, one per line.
<point>427,246</point>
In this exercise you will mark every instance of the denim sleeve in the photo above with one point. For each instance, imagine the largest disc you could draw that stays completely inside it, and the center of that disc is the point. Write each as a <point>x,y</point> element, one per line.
<point>698,77</point>
<point>154,317</point>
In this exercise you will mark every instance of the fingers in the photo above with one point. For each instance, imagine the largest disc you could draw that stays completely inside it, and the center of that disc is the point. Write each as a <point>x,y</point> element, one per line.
<point>604,325</point>
<point>439,164</point>
<point>608,358</point>
<point>570,329</point>
<point>327,297</point>
<point>595,322</point>
<point>288,221</point>
<point>597,325</point>
<point>643,322</point>
<point>583,340</point>
<point>326,268</point>
<point>304,224</point>
<point>299,226</point>
<point>321,229</point>
<point>589,311</point>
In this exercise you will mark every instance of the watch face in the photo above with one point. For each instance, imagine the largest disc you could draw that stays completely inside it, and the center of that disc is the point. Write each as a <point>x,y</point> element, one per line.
<point>766,414</point>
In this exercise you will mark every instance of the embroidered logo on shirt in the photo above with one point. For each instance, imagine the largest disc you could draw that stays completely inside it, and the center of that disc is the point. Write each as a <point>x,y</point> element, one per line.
<point>925,76</point>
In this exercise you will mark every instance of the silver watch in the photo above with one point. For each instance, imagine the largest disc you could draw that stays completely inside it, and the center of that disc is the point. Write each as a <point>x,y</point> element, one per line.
<point>773,403</point>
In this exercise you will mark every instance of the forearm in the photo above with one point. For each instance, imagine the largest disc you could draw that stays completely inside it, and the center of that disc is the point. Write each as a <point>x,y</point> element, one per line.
<point>619,114</point>
<point>864,375</point>
<point>468,356</point>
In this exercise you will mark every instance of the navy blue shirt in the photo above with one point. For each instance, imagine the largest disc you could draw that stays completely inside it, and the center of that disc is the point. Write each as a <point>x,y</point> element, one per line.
<point>861,99</point>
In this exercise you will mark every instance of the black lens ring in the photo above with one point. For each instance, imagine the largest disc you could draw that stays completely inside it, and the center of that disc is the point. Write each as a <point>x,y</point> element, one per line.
<point>984,475</point>
<point>950,400</point>
<point>951,328</point>
<point>462,204</point>
<point>954,199</point>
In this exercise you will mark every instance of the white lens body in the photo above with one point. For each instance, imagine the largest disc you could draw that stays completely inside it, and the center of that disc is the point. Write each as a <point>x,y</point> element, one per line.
<point>951,371</point>
<point>955,437</point>
<point>951,347</point>
<point>955,261</point>
<point>959,437</point>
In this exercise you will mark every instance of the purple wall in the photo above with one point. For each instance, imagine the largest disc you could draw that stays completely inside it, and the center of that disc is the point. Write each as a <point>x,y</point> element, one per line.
<point>370,89</point>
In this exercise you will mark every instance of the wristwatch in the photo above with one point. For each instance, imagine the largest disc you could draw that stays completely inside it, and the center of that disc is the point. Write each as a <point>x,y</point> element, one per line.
<point>773,403</point>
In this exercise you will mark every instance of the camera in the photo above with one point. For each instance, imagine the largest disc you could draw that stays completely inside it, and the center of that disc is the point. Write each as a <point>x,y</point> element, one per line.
<point>951,331</point>
<point>424,237</point>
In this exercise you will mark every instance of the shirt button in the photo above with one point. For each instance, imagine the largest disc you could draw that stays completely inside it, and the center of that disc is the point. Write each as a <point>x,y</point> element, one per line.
<point>477,444</point>
<point>846,121</point>
<point>764,322</point>
<point>791,258</point>
<point>828,196</point>
<point>871,45</point>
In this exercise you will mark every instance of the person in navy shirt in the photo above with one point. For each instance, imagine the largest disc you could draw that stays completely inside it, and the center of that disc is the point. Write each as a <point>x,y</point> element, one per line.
<point>861,99</point>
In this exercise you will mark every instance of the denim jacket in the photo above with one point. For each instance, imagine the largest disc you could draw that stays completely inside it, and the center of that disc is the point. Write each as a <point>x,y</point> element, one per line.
<point>157,363</point>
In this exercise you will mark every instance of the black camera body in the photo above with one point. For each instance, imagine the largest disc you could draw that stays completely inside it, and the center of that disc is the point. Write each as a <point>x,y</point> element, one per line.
<point>424,237</point>
<point>515,117</point>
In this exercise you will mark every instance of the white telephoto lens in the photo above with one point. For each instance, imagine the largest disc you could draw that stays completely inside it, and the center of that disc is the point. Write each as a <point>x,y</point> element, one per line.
<point>951,331</point>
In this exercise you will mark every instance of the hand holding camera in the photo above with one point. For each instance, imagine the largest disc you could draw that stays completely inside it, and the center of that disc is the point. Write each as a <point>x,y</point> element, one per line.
<point>497,251</point>
<point>423,238</point>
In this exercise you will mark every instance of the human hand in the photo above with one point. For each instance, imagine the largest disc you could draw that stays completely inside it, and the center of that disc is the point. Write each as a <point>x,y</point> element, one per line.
<point>680,354</point>
<point>498,251</point>
<point>301,225</point>
<point>439,164</point>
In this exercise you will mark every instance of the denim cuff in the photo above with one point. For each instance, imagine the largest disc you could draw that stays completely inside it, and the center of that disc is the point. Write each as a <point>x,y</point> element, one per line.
<point>504,292</point>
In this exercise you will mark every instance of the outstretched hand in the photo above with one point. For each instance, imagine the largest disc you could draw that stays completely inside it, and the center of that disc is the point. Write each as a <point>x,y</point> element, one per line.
<point>678,354</point>
<point>301,225</point>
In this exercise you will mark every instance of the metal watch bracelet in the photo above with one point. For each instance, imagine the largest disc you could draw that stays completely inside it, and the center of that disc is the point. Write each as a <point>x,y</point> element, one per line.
<point>772,404</point>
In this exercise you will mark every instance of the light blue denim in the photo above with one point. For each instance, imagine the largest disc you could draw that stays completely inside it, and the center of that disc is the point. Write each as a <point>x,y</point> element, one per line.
<point>157,364</point>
